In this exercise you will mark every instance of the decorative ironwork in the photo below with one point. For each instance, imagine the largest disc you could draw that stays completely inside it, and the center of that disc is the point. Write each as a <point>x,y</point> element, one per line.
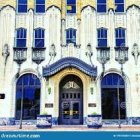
<point>5,52</point>
<point>20,55</point>
<point>103,56</point>
<point>38,55</point>
<point>121,55</point>
<point>135,52</point>
<point>69,62</point>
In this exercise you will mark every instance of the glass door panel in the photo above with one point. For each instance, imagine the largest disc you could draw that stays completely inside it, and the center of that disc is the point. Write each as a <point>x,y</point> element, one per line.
<point>75,109</point>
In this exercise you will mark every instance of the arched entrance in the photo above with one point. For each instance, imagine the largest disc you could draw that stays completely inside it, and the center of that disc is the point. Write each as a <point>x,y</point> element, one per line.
<point>28,85</point>
<point>71,100</point>
<point>113,92</point>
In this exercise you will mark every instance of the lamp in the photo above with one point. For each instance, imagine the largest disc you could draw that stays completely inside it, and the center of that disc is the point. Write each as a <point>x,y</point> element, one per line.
<point>103,56</point>
<point>121,56</point>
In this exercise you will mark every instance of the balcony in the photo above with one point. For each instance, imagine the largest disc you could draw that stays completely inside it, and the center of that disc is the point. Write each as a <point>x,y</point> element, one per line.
<point>103,54</point>
<point>20,54</point>
<point>121,54</point>
<point>38,55</point>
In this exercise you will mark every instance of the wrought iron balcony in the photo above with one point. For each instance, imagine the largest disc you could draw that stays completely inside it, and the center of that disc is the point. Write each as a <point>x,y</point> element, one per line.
<point>121,54</point>
<point>20,54</point>
<point>103,54</point>
<point>38,55</point>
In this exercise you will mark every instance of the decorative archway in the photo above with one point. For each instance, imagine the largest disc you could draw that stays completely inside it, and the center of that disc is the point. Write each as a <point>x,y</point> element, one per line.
<point>29,85</point>
<point>71,100</point>
<point>113,92</point>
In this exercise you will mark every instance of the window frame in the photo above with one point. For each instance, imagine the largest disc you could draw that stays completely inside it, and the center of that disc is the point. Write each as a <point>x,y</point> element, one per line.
<point>21,37</point>
<point>40,5</point>
<point>105,36</point>
<point>120,37</point>
<point>39,38</point>
<point>24,4</point>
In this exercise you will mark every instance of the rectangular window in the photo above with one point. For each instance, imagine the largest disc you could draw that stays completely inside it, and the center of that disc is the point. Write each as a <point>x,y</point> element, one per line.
<point>101,6</point>
<point>22,6</point>
<point>102,37</point>
<point>21,37</point>
<point>120,37</point>
<point>39,38</point>
<point>71,6</point>
<point>119,5</point>
<point>71,36</point>
<point>40,6</point>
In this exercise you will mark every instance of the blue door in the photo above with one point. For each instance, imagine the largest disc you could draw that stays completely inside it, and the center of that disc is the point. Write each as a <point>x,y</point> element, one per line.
<point>71,101</point>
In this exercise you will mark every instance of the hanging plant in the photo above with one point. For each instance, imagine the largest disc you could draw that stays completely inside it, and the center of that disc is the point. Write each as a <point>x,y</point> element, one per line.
<point>49,90</point>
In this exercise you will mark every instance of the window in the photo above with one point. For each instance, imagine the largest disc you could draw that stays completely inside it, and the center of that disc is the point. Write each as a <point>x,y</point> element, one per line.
<point>113,85</point>
<point>28,85</point>
<point>119,5</point>
<point>39,37</point>
<point>112,80</point>
<point>71,6</point>
<point>71,36</point>
<point>101,6</point>
<point>22,6</point>
<point>40,6</point>
<point>102,37</point>
<point>120,37</point>
<point>21,35</point>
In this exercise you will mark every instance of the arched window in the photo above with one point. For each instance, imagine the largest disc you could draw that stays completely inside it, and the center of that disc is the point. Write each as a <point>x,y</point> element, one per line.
<point>71,6</point>
<point>21,35</point>
<point>40,6</point>
<point>102,37</point>
<point>22,6</point>
<point>71,36</point>
<point>39,37</point>
<point>120,37</point>
<point>28,85</point>
<point>101,6</point>
<point>119,4</point>
<point>113,97</point>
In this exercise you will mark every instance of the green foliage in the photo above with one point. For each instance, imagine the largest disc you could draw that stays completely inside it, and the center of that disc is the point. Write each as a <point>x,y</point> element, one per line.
<point>49,90</point>
<point>94,113</point>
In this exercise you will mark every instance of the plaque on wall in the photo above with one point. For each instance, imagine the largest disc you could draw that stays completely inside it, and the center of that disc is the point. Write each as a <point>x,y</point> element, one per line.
<point>92,105</point>
<point>2,96</point>
<point>48,105</point>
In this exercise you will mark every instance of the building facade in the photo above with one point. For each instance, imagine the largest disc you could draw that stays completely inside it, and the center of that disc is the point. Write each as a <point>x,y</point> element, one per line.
<point>70,58</point>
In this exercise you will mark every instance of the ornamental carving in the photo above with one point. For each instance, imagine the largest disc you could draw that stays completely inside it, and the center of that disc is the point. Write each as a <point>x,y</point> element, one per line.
<point>71,84</point>
<point>135,52</point>
<point>5,53</point>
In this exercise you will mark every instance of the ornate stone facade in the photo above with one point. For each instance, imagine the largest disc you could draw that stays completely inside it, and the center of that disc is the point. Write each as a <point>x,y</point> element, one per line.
<point>55,22</point>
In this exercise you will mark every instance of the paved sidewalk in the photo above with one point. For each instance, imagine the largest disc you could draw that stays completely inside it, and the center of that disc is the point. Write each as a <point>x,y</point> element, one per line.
<point>69,128</point>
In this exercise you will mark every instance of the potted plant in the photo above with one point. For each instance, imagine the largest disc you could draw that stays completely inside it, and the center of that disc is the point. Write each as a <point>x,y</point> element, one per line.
<point>44,120</point>
<point>94,120</point>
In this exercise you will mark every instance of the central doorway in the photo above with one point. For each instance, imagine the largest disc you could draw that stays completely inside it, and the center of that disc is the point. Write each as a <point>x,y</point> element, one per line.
<point>71,101</point>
